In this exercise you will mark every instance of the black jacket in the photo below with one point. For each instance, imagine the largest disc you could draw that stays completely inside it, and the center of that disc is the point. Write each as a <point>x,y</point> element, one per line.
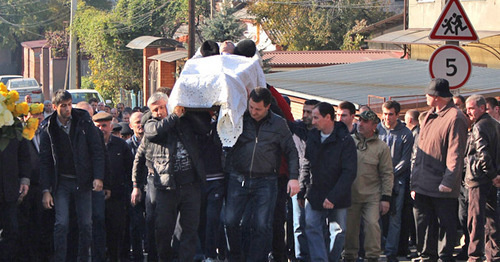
<point>482,156</point>
<point>160,142</point>
<point>258,153</point>
<point>15,165</point>
<point>120,161</point>
<point>328,169</point>
<point>86,145</point>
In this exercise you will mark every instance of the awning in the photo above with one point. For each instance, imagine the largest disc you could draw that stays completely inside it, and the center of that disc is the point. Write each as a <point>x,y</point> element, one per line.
<point>170,56</point>
<point>419,37</point>
<point>142,42</point>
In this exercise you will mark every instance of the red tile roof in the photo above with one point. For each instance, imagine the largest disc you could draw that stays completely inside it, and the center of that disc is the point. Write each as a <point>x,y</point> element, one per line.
<point>35,43</point>
<point>323,58</point>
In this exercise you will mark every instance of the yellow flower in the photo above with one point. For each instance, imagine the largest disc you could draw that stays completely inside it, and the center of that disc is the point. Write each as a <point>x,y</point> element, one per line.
<point>13,96</point>
<point>36,108</point>
<point>4,93</point>
<point>3,88</point>
<point>22,109</point>
<point>11,107</point>
<point>29,133</point>
<point>32,123</point>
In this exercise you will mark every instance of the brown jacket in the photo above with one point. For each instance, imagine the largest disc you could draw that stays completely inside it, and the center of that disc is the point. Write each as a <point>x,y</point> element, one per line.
<point>440,152</point>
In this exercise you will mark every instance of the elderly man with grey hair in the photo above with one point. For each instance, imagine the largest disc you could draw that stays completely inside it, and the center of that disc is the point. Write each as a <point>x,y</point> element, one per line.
<point>482,161</point>
<point>47,108</point>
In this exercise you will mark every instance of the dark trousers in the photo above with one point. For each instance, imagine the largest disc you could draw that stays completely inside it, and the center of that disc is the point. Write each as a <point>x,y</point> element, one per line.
<point>67,189</point>
<point>463,205</point>
<point>210,219</point>
<point>137,228</point>
<point>116,211</point>
<point>407,225</point>
<point>98,227</point>
<point>279,245</point>
<point>260,195</point>
<point>482,223</point>
<point>184,202</point>
<point>10,234</point>
<point>36,227</point>
<point>436,220</point>
<point>150,219</point>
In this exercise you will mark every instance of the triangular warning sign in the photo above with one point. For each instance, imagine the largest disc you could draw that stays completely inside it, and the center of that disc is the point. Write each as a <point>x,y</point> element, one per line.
<point>453,24</point>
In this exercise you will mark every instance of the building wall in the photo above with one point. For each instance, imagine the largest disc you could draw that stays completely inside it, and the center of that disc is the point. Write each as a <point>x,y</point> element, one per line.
<point>166,74</point>
<point>8,66</point>
<point>483,14</point>
<point>57,71</point>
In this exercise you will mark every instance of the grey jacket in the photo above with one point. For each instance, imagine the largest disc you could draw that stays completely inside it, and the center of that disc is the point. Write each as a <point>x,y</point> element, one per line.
<point>482,157</point>
<point>257,153</point>
<point>159,145</point>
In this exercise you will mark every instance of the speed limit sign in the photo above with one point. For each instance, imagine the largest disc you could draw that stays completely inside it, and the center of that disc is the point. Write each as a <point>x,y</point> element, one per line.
<point>451,63</point>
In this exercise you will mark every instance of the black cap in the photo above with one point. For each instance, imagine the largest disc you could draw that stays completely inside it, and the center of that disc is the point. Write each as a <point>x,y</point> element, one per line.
<point>116,127</point>
<point>439,87</point>
<point>125,129</point>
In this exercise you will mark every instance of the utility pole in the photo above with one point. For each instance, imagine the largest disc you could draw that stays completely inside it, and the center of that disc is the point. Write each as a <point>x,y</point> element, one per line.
<point>191,37</point>
<point>72,49</point>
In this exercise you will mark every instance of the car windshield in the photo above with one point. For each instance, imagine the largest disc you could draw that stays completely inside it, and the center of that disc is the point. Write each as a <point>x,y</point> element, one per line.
<point>23,83</point>
<point>78,97</point>
<point>7,78</point>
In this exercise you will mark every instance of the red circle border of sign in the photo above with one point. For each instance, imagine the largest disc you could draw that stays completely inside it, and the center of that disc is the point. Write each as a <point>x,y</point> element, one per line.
<point>461,50</point>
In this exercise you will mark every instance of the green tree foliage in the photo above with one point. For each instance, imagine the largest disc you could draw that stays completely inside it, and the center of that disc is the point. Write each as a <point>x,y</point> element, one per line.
<point>25,20</point>
<point>223,26</point>
<point>352,39</point>
<point>315,25</point>
<point>104,34</point>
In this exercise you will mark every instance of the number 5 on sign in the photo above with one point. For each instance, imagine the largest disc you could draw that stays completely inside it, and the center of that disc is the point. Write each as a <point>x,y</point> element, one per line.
<point>451,63</point>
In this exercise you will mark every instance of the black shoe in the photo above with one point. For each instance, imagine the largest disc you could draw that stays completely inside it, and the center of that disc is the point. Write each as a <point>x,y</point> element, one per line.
<point>412,255</point>
<point>462,256</point>
<point>392,259</point>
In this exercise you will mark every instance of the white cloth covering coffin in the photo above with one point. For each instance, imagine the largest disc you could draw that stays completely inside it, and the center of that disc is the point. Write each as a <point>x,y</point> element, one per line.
<point>223,80</point>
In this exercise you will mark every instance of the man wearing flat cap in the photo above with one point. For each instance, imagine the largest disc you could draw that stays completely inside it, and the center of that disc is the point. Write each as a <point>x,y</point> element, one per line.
<point>120,168</point>
<point>371,190</point>
<point>437,173</point>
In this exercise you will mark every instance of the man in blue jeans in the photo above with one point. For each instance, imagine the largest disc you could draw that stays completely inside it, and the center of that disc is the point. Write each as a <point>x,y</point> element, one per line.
<point>71,166</point>
<point>328,170</point>
<point>400,140</point>
<point>253,164</point>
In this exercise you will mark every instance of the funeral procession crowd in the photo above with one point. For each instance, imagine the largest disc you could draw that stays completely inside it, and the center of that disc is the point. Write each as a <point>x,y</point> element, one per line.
<point>160,184</point>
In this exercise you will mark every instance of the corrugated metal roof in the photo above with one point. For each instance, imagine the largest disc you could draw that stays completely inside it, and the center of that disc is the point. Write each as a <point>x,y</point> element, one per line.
<point>322,58</point>
<point>385,78</point>
<point>170,56</point>
<point>419,36</point>
<point>35,43</point>
<point>142,42</point>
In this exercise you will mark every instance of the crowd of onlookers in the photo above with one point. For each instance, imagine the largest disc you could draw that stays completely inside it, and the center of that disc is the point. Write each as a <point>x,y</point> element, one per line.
<point>342,183</point>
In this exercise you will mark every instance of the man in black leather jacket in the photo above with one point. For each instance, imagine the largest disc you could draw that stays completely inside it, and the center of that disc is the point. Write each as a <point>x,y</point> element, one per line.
<point>482,159</point>
<point>253,164</point>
